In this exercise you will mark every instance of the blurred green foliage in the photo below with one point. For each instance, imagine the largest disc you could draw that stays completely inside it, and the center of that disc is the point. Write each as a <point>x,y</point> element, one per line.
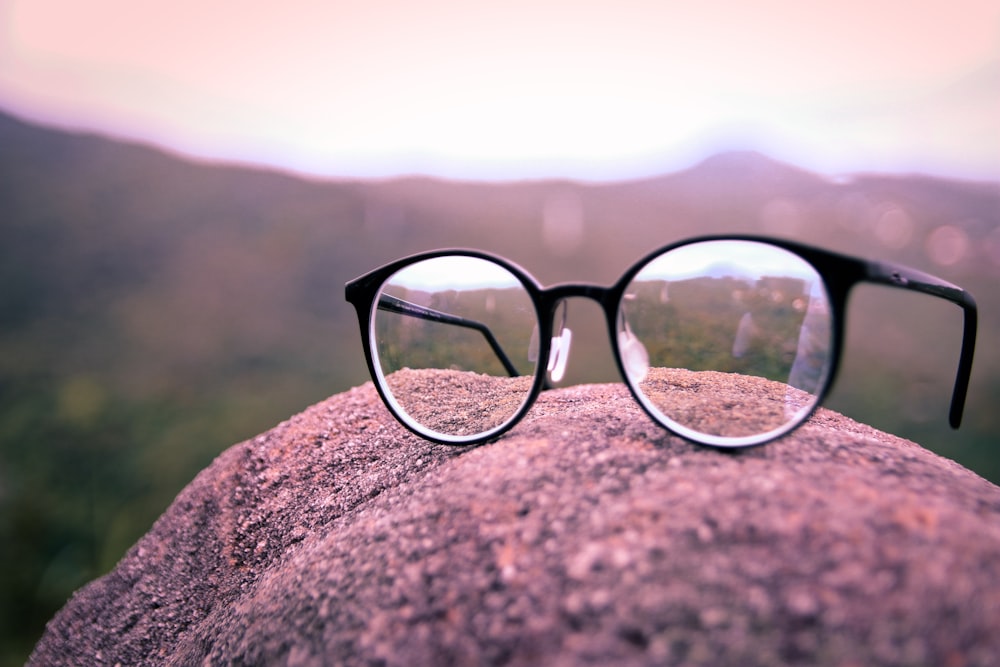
<point>155,311</point>
<point>697,328</point>
<point>408,341</point>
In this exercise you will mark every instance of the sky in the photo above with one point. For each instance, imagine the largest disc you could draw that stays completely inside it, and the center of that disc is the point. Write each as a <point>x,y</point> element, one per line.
<point>595,90</point>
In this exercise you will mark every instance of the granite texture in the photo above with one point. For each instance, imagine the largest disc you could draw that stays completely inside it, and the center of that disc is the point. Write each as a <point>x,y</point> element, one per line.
<point>587,535</point>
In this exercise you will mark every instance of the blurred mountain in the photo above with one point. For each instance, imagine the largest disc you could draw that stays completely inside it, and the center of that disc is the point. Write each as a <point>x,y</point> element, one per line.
<point>152,304</point>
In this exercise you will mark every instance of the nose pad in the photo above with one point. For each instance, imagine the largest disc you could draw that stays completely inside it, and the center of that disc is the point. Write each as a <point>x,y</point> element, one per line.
<point>559,354</point>
<point>635,358</point>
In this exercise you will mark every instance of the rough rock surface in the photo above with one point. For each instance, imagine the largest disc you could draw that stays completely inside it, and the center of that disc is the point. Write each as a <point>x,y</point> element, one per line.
<point>587,535</point>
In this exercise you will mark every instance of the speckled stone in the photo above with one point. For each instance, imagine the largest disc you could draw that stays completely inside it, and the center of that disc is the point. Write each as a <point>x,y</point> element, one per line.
<point>587,535</point>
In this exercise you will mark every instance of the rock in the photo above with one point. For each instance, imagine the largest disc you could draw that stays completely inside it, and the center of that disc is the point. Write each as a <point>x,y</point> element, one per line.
<point>587,535</point>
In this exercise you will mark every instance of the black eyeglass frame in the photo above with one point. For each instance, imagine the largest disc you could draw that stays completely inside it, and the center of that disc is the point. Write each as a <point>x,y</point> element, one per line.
<point>840,273</point>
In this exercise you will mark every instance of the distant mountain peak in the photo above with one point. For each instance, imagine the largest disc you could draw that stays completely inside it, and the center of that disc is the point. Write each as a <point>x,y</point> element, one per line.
<point>746,168</point>
<point>746,162</point>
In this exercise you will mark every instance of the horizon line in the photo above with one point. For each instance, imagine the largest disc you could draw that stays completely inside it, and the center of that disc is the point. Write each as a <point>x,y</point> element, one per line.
<point>497,171</point>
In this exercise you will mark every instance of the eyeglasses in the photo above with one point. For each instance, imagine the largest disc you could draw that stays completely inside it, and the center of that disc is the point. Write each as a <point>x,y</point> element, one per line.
<point>725,341</point>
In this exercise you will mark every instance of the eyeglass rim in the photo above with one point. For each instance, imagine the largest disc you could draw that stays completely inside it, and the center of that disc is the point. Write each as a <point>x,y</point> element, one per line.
<point>534,290</point>
<point>839,274</point>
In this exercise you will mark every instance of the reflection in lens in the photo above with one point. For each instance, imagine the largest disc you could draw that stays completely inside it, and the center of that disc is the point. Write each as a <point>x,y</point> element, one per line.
<point>451,339</point>
<point>738,336</point>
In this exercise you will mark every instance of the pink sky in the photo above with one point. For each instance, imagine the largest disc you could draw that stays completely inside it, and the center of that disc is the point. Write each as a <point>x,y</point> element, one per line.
<point>607,89</point>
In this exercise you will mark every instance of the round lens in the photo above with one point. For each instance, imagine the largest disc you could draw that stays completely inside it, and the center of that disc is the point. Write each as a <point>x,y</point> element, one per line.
<point>728,343</point>
<point>451,338</point>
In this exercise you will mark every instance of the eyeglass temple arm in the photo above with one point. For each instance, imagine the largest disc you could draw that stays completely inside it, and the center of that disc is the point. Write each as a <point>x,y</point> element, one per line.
<point>918,281</point>
<point>396,305</point>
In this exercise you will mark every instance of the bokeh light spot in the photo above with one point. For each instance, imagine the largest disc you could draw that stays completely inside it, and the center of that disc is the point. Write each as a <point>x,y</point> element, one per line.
<point>562,222</point>
<point>947,245</point>
<point>894,227</point>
